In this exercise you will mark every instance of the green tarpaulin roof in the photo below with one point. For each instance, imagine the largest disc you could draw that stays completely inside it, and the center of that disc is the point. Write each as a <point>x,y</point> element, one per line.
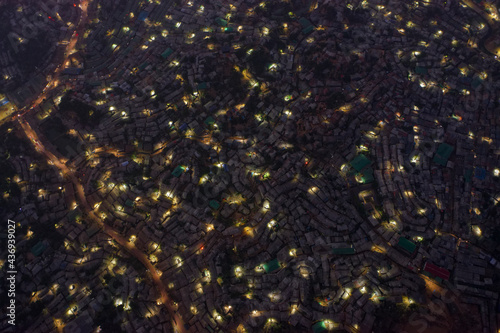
<point>420,70</point>
<point>271,266</point>
<point>443,153</point>
<point>178,171</point>
<point>74,214</point>
<point>38,248</point>
<point>214,204</point>
<point>307,30</point>
<point>319,327</point>
<point>305,22</point>
<point>468,175</point>
<point>166,53</point>
<point>129,203</point>
<point>476,82</point>
<point>360,162</point>
<point>367,176</point>
<point>407,244</point>
<point>344,250</point>
<point>221,22</point>
<point>210,121</point>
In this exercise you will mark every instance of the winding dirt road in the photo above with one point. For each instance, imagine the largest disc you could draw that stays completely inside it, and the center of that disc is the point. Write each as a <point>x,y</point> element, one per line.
<point>68,174</point>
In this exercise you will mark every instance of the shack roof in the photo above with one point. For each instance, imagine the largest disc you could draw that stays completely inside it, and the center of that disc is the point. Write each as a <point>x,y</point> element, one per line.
<point>443,153</point>
<point>437,271</point>
<point>178,171</point>
<point>271,266</point>
<point>360,162</point>
<point>407,244</point>
<point>319,327</point>
<point>166,53</point>
<point>214,204</point>
<point>344,250</point>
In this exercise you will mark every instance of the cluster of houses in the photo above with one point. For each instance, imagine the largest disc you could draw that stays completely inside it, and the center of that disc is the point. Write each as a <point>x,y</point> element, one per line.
<point>293,165</point>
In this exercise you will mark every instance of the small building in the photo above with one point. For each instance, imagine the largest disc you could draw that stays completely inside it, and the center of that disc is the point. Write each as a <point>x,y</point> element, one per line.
<point>178,171</point>
<point>94,229</point>
<point>74,215</point>
<point>143,65</point>
<point>436,271</point>
<point>420,70</point>
<point>214,204</point>
<point>480,173</point>
<point>272,265</point>
<point>165,54</point>
<point>407,245</point>
<point>443,153</point>
<point>305,22</point>
<point>143,15</point>
<point>38,248</point>
<point>365,177</point>
<point>344,250</point>
<point>202,86</point>
<point>308,30</point>
<point>360,162</point>
<point>209,121</point>
<point>72,71</point>
<point>319,327</point>
<point>220,21</point>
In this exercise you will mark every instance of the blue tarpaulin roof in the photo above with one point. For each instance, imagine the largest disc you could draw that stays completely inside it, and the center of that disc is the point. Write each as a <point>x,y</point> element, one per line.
<point>420,70</point>
<point>480,173</point>
<point>72,71</point>
<point>143,15</point>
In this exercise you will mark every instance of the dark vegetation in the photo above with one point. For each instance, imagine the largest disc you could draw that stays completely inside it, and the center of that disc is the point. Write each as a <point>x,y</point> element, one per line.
<point>87,115</point>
